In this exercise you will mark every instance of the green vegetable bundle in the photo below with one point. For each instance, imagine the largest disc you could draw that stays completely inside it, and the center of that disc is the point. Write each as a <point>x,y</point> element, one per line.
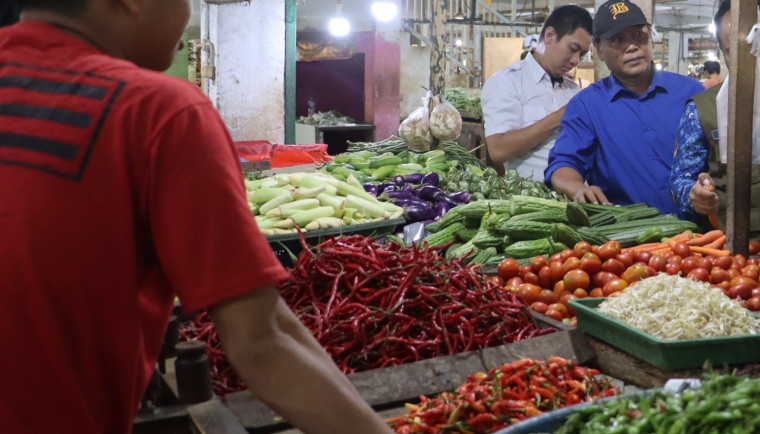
<point>487,184</point>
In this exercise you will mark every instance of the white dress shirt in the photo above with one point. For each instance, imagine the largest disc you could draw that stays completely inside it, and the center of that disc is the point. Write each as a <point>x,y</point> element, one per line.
<point>520,95</point>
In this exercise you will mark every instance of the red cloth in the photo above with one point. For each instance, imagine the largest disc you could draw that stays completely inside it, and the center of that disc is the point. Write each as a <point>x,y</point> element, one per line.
<point>119,188</point>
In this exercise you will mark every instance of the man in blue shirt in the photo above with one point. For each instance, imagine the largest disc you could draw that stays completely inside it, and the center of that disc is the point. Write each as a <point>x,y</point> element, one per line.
<point>617,136</point>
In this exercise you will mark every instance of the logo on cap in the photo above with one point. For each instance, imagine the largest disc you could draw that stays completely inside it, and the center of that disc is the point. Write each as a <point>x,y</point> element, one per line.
<point>618,8</point>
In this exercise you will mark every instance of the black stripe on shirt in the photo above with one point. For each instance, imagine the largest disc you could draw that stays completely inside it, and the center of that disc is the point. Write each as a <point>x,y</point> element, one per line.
<point>57,87</point>
<point>52,147</point>
<point>59,115</point>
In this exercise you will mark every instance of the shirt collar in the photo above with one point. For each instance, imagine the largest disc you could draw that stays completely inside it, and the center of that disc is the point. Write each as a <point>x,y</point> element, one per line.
<point>615,89</point>
<point>536,70</point>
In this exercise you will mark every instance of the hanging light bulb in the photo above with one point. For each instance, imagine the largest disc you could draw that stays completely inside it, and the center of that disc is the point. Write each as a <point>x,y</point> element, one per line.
<point>384,10</point>
<point>339,25</point>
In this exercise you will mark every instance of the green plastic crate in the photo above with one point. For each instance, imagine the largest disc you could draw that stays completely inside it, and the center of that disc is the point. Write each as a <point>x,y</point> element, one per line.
<point>280,244</point>
<point>667,355</point>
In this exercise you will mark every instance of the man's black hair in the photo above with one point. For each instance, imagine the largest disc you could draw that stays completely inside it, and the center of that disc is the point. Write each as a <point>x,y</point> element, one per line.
<point>567,19</point>
<point>712,67</point>
<point>724,7</point>
<point>68,7</point>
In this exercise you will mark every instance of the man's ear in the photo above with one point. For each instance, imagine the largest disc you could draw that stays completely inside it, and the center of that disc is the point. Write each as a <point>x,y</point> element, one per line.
<point>550,35</point>
<point>596,50</point>
<point>130,5</point>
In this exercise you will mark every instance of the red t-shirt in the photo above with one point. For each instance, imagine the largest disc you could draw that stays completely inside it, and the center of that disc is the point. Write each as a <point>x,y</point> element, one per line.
<point>119,189</point>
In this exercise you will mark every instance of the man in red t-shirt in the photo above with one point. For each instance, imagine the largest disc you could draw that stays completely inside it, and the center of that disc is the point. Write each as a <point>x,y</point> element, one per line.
<point>119,189</point>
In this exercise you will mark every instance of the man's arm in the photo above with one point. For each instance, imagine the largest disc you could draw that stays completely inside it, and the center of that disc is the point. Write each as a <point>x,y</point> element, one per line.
<point>509,145</point>
<point>287,369</point>
<point>569,182</point>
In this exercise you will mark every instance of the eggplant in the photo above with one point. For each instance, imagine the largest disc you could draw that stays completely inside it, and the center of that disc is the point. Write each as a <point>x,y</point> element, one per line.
<point>406,187</point>
<point>383,186</point>
<point>419,213</point>
<point>387,189</point>
<point>461,197</point>
<point>414,178</point>
<point>441,208</point>
<point>428,192</point>
<point>443,197</point>
<point>431,178</point>
<point>371,189</point>
<point>401,194</point>
<point>399,179</point>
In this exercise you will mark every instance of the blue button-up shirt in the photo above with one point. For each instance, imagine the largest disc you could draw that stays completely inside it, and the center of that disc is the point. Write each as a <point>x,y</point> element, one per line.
<point>623,142</point>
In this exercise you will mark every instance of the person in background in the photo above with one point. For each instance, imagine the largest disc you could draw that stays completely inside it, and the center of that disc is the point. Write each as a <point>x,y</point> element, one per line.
<point>573,75</point>
<point>524,102</point>
<point>121,189</point>
<point>8,12</point>
<point>617,137</point>
<point>711,73</point>
<point>698,178</point>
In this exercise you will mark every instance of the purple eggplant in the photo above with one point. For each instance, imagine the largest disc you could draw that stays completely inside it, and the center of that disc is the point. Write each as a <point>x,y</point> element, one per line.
<point>441,208</point>
<point>383,186</point>
<point>427,192</point>
<point>399,179</point>
<point>443,197</point>
<point>371,189</point>
<point>401,194</point>
<point>461,197</point>
<point>419,213</point>
<point>407,187</point>
<point>414,178</point>
<point>431,178</point>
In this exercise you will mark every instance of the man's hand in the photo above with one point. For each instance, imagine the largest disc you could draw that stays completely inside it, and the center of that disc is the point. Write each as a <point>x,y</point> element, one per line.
<point>591,194</point>
<point>702,196</point>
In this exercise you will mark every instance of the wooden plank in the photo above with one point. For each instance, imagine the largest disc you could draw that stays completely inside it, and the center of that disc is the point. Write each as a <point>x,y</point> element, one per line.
<point>384,388</point>
<point>255,166</point>
<point>213,417</point>
<point>741,95</point>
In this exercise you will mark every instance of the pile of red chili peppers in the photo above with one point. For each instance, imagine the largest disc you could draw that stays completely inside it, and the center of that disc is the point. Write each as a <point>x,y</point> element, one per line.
<point>373,305</point>
<point>506,395</point>
<point>223,378</point>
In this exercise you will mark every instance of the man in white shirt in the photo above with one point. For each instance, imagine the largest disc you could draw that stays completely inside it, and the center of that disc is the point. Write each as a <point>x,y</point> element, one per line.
<point>524,102</point>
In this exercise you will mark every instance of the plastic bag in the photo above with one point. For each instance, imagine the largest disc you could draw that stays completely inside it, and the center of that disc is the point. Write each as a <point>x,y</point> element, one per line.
<point>445,120</point>
<point>415,129</point>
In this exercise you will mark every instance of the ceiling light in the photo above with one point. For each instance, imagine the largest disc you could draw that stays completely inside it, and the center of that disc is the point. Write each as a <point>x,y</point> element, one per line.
<point>459,15</point>
<point>384,10</point>
<point>711,28</point>
<point>339,25</point>
<point>458,42</point>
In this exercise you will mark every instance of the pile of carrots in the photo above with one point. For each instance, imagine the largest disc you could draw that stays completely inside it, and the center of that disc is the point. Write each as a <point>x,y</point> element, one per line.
<point>709,243</point>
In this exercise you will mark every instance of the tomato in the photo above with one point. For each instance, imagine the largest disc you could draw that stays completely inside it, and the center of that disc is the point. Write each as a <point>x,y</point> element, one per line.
<point>743,279</point>
<point>627,258</point>
<point>545,277</point>
<point>681,249</point>
<point>554,314</point>
<point>707,262</point>
<point>559,289</point>
<point>539,307</point>
<point>566,301</point>
<point>756,292</point>
<point>724,262</point>
<point>537,262</point>
<point>613,266</point>
<point>741,290</point>
<point>547,296</point>
<point>572,263</point>
<point>557,257</point>
<point>754,247</point>
<point>753,304</point>
<point>557,273</point>
<point>515,282</point>
<point>675,259</point>
<point>699,274</point>
<point>596,292</point>
<point>688,264</point>
<point>741,260</point>
<point>719,274</point>
<point>565,254</point>
<point>614,285</point>
<point>560,308</point>
<point>644,256</point>
<point>524,269</point>
<point>734,272</point>
<point>575,279</point>
<point>673,269</point>
<point>581,248</point>
<point>531,277</point>
<point>750,261</point>
<point>602,277</point>
<point>508,268</point>
<point>751,271</point>
<point>580,293</point>
<point>590,263</point>
<point>528,293</point>
<point>608,250</point>
<point>634,273</point>
<point>658,262</point>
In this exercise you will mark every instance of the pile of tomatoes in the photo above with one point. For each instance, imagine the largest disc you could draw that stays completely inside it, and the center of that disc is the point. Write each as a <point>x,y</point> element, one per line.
<point>547,285</point>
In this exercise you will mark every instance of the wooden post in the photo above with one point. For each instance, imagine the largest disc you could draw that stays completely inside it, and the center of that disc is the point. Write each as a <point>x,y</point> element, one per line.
<point>741,94</point>
<point>438,52</point>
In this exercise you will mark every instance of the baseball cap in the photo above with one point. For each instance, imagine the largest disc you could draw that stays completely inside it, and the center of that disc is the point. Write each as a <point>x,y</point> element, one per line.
<point>614,16</point>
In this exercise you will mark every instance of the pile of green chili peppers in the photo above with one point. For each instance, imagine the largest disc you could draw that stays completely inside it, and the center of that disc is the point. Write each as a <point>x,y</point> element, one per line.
<point>724,404</point>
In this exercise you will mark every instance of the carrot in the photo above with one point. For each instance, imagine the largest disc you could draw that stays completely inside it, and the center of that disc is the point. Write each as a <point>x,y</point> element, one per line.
<point>682,237</point>
<point>706,238</point>
<point>646,247</point>
<point>708,251</point>
<point>719,243</point>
